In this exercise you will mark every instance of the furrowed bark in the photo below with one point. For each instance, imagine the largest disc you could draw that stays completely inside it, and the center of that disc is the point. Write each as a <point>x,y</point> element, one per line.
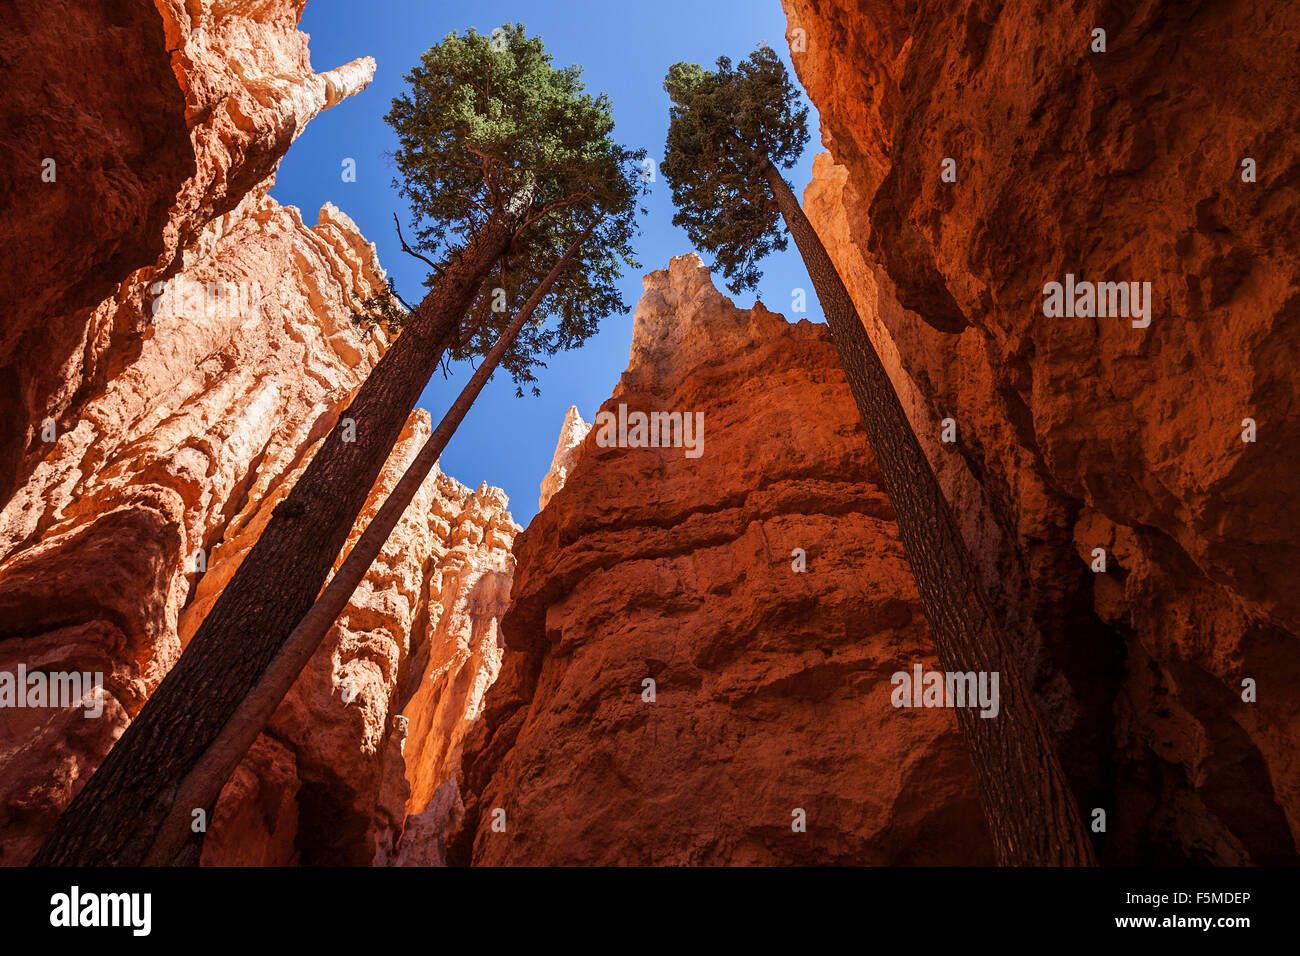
<point>176,842</point>
<point>114,820</point>
<point>1028,804</point>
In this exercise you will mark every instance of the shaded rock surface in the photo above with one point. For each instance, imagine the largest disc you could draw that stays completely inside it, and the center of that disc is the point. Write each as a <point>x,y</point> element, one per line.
<point>1079,433</point>
<point>771,687</point>
<point>174,113</point>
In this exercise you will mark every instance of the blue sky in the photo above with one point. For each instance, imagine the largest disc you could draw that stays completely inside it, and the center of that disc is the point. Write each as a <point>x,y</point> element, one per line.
<point>625,49</point>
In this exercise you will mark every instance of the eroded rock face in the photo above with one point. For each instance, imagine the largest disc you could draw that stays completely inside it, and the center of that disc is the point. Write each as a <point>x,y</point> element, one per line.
<point>123,537</point>
<point>1078,434</point>
<point>104,543</point>
<point>175,113</point>
<point>187,403</point>
<point>373,725</point>
<point>771,687</point>
<point>455,661</point>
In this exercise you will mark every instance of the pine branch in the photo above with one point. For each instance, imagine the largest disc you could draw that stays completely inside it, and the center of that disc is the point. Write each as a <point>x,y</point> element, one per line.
<point>408,250</point>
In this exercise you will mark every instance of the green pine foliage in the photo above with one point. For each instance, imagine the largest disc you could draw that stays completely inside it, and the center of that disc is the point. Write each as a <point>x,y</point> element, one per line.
<point>720,124</point>
<point>485,123</point>
<point>384,307</point>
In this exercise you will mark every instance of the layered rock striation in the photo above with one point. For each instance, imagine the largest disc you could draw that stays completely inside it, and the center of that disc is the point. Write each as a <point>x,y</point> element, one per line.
<point>174,114</point>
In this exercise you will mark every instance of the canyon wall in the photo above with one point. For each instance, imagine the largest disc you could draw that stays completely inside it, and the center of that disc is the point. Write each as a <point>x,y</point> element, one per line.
<point>173,114</point>
<point>187,345</point>
<point>1076,434</point>
<point>699,647</point>
<point>694,653</point>
<point>373,725</point>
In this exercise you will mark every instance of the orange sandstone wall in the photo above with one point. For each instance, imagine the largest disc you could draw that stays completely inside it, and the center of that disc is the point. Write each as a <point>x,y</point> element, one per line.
<point>177,421</point>
<point>1077,434</point>
<point>771,687</point>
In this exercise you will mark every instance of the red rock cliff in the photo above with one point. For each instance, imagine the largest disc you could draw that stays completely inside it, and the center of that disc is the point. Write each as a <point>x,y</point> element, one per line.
<point>155,119</point>
<point>771,687</point>
<point>1077,434</point>
<point>177,421</point>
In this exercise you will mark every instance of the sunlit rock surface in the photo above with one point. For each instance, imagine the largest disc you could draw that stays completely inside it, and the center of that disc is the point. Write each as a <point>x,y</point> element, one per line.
<point>771,686</point>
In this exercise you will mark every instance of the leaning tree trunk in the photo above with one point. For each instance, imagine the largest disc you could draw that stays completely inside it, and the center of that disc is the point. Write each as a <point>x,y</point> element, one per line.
<point>176,840</point>
<point>1030,810</point>
<point>115,817</point>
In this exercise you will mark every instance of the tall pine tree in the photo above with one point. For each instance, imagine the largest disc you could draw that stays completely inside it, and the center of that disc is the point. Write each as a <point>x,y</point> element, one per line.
<point>502,155</point>
<point>729,130</point>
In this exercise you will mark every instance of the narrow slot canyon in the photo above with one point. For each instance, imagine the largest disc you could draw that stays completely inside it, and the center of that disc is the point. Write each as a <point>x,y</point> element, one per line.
<point>681,654</point>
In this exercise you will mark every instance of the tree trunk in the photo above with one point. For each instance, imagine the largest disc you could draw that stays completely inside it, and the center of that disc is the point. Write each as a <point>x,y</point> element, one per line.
<point>115,817</point>
<point>1031,812</point>
<point>202,785</point>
